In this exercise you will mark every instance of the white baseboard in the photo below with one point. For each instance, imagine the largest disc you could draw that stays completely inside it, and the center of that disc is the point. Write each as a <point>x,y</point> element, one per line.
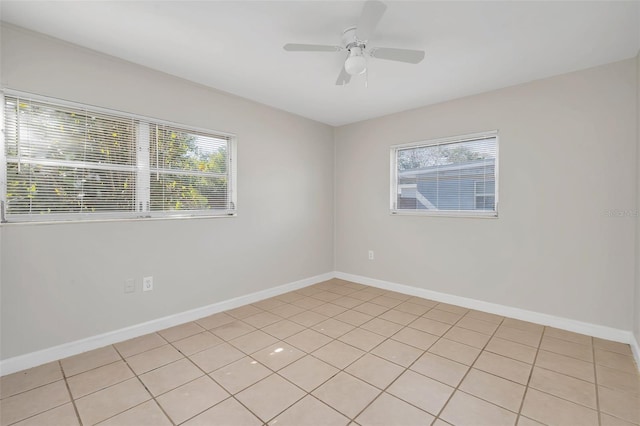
<point>594,330</point>
<point>33,359</point>
<point>635,348</point>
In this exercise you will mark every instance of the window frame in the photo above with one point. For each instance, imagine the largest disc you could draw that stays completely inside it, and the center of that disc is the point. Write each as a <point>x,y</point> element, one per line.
<point>394,210</point>
<point>141,212</point>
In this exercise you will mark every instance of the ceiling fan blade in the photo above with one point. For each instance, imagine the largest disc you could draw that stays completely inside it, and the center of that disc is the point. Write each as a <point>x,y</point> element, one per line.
<point>371,14</point>
<point>343,78</point>
<point>294,47</point>
<point>401,55</point>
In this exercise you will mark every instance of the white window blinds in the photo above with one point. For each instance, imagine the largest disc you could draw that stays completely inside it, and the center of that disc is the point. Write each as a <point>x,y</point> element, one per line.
<point>71,162</point>
<point>453,176</point>
<point>195,179</point>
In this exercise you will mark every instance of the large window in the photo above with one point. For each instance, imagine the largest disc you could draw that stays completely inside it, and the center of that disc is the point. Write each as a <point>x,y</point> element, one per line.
<point>454,176</point>
<point>64,161</point>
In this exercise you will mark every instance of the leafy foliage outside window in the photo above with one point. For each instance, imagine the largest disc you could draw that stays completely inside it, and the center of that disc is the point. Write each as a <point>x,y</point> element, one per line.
<point>74,162</point>
<point>438,155</point>
<point>202,161</point>
<point>58,160</point>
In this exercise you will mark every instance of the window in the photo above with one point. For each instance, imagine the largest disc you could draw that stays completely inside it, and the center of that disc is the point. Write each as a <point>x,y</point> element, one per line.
<point>453,176</point>
<point>65,161</point>
<point>484,193</point>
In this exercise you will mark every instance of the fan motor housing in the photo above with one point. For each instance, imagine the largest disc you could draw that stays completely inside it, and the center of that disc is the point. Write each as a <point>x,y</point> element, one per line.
<point>349,39</point>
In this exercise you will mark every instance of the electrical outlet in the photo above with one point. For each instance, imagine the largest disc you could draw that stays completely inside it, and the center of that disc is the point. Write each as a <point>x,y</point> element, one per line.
<point>371,255</point>
<point>129,285</point>
<point>147,283</point>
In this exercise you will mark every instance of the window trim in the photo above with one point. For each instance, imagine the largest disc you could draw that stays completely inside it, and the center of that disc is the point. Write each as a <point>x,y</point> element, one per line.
<point>393,193</point>
<point>142,214</point>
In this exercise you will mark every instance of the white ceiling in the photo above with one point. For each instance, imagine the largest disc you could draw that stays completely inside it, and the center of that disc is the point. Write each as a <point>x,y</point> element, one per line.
<point>236,46</point>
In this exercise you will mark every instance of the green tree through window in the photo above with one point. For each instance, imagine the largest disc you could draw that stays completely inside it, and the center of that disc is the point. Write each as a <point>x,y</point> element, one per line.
<point>74,162</point>
<point>188,170</point>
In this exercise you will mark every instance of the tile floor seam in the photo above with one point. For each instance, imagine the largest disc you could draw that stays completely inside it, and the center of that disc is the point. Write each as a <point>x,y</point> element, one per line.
<point>96,368</point>
<point>505,356</point>
<point>324,403</point>
<point>568,356</point>
<point>125,411</point>
<point>565,399</point>
<point>576,378</point>
<point>563,340</point>
<point>231,395</point>
<point>30,389</point>
<point>137,353</point>
<point>611,388</point>
<point>315,388</point>
<point>630,357</point>
<point>208,408</point>
<point>533,364</point>
<point>73,401</point>
<point>39,413</point>
<point>595,380</point>
<point>37,386</point>
<point>310,354</point>
<point>153,398</point>
<point>243,405</point>
<point>345,372</point>
<point>456,388</point>
<point>526,388</point>
<point>407,368</point>
<point>564,375</point>
<point>208,347</point>
<point>285,409</point>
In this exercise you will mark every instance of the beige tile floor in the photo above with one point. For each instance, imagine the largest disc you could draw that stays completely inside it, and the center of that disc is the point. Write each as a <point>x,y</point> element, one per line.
<point>336,353</point>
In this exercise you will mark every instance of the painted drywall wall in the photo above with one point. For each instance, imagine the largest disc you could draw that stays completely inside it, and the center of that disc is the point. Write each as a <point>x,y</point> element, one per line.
<point>64,282</point>
<point>567,163</point>
<point>636,328</point>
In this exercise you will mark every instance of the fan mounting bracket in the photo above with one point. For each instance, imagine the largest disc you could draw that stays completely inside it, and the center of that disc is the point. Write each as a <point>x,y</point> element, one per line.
<point>350,39</point>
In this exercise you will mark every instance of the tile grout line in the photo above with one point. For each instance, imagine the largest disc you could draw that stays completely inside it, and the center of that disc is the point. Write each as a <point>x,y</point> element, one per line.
<point>385,339</point>
<point>272,371</point>
<point>391,338</point>
<point>595,379</point>
<point>153,398</point>
<point>73,401</point>
<point>457,387</point>
<point>533,365</point>
<point>284,378</point>
<point>594,383</point>
<point>231,395</point>
<point>71,397</point>
<point>423,352</point>
<point>339,370</point>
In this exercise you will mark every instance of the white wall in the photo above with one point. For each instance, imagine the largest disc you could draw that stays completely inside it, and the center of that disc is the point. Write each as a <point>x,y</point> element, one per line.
<point>567,154</point>
<point>64,282</point>
<point>636,328</point>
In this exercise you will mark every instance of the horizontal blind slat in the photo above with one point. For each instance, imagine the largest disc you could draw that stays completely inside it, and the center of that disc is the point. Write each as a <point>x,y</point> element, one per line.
<point>70,161</point>
<point>456,175</point>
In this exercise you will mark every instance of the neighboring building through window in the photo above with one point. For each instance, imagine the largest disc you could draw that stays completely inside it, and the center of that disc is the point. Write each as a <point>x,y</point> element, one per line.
<point>65,161</point>
<point>453,176</point>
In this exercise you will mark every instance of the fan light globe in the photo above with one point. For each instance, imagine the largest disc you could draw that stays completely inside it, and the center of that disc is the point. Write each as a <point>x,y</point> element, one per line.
<point>356,63</point>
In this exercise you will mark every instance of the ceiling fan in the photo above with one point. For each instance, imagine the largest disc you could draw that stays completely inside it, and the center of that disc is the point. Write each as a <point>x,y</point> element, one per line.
<point>354,42</point>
